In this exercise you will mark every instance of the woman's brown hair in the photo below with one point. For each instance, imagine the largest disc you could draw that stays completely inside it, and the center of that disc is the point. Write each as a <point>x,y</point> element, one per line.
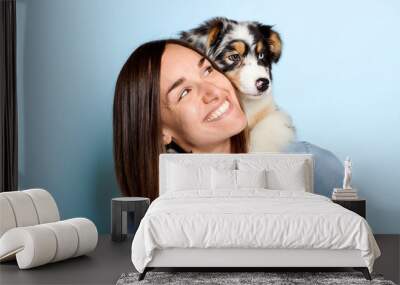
<point>137,120</point>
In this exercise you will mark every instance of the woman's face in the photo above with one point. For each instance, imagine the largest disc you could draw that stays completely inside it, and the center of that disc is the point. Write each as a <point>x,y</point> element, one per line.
<point>199,106</point>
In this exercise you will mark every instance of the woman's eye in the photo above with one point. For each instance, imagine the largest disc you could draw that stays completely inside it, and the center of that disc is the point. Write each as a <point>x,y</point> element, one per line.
<point>184,93</point>
<point>260,56</point>
<point>234,57</point>
<point>208,70</point>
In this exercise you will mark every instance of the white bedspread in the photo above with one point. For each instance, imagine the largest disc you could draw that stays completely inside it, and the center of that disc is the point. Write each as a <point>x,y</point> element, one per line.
<point>251,218</point>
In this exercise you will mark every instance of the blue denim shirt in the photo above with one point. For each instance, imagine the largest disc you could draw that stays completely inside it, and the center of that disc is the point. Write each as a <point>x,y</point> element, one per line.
<point>328,170</point>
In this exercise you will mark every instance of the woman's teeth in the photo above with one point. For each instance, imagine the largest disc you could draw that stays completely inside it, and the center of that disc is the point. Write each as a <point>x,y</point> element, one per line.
<point>217,113</point>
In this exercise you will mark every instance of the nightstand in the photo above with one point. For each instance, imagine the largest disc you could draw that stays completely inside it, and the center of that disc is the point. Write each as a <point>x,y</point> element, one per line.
<point>358,206</point>
<point>126,214</point>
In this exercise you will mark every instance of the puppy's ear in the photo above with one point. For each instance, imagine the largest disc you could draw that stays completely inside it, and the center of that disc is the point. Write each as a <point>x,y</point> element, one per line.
<point>273,40</point>
<point>215,30</point>
<point>207,36</point>
<point>275,45</point>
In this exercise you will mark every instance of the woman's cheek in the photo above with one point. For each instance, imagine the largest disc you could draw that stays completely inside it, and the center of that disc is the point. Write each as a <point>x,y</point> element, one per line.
<point>190,116</point>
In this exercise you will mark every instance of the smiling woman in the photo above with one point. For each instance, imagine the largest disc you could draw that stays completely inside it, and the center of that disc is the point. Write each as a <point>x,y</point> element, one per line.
<point>199,107</point>
<point>170,95</point>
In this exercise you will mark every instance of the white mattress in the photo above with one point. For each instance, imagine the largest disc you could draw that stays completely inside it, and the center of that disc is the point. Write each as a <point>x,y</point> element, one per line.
<point>251,218</point>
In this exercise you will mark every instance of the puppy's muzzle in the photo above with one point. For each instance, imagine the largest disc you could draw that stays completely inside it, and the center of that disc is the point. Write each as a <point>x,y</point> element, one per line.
<point>262,84</point>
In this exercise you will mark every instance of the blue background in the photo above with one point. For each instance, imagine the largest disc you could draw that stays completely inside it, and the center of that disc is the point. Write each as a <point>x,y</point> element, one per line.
<point>338,78</point>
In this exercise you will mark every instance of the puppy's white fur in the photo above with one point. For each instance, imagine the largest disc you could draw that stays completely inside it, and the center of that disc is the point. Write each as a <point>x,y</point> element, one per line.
<point>271,129</point>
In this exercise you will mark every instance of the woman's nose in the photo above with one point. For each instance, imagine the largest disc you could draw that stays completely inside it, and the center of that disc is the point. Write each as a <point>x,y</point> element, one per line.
<point>210,93</point>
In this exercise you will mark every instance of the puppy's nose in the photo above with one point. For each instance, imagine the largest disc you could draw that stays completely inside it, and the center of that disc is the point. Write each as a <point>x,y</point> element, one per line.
<point>262,84</point>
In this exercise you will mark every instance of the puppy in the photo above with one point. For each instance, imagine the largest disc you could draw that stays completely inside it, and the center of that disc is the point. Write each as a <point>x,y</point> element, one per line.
<point>245,52</point>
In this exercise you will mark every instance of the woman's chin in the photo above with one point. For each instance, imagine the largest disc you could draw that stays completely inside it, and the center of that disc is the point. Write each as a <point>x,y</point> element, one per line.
<point>237,122</point>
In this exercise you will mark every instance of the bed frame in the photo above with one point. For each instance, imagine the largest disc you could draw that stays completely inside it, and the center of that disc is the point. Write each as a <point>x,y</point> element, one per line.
<point>248,259</point>
<point>237,259</point>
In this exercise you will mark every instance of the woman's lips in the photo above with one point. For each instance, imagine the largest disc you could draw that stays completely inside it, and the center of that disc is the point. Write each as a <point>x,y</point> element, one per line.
<point>220,112</point>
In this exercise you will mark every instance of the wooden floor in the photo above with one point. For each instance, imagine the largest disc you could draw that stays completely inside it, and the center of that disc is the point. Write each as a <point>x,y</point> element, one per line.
<point>389,262</point>
<point>110,260</point>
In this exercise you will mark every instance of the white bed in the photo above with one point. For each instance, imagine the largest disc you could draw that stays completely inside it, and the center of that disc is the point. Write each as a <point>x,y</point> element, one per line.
<point>250,226</point>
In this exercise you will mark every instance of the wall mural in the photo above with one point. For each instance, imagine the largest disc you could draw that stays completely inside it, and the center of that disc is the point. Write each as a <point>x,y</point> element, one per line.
<point>213,90</point>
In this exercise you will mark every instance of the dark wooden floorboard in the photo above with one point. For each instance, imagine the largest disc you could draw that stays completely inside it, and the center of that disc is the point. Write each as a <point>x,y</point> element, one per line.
<point>389,262</point>
<point>110,260</point>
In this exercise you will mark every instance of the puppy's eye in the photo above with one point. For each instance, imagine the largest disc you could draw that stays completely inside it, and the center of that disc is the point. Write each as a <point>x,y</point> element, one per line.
<point>260,56</point>
<point>184,93</point>
<point>234,57</point>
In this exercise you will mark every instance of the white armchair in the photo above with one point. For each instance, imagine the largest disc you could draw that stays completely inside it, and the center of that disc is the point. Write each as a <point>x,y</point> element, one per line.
<point>32,233</point>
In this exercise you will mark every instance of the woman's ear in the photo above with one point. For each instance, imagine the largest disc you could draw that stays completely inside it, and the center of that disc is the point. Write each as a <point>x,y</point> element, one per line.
<point>167,138</point>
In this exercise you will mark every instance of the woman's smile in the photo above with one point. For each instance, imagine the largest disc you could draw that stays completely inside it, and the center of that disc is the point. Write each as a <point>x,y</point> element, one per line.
<point>220,112</point>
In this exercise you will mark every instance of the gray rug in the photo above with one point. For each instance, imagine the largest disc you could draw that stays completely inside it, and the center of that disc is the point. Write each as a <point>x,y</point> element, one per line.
<point>270,278</point>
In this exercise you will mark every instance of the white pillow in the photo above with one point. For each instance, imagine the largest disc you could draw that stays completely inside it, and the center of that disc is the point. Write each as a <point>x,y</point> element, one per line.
<point>223,179</point>
<point>181,177</point>
<point>236,179</point>
<point>281,174</point>
<point>251,178</point>
<point>293,178</point>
